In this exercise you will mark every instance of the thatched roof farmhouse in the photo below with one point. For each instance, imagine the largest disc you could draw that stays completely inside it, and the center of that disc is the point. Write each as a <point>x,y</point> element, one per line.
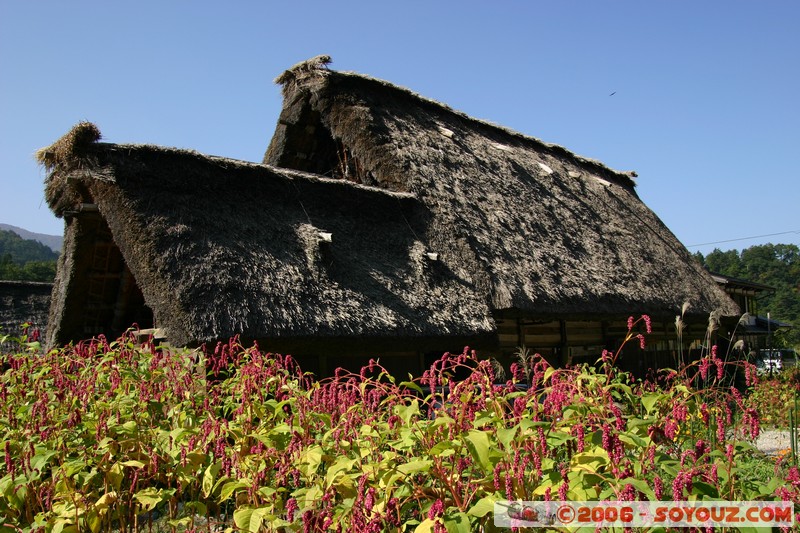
<point>379,222</point>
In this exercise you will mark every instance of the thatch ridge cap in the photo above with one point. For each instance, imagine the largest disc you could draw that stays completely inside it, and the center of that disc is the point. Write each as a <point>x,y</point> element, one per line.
<point>319,62</point>
<point>70,146</point>
<point>229,162</point>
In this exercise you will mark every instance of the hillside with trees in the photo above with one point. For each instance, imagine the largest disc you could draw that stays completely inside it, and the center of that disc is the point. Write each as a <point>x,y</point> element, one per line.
<point>776,265</point>
<point>26,260</point>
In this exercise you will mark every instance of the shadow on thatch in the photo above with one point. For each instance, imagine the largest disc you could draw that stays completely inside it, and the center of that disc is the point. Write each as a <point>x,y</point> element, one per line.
<point>378,216</point>
<point>221,247</point>
<point>539,228</point>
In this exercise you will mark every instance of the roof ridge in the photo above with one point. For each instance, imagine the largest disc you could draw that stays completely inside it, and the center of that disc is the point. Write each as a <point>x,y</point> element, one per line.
<point>316,68</point>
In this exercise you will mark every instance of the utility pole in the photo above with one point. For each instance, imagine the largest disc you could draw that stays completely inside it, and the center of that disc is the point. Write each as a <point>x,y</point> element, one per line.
<point>769,343</point>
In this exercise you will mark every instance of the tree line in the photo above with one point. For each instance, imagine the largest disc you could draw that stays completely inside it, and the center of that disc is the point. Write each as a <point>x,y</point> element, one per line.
<point>25,260</point>
<point>775,265</point>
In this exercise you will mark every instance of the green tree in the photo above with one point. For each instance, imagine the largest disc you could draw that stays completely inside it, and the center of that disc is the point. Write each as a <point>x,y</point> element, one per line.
<point>25,260</point>
<point>775,265</point>
<point>728,263</point>
<point>24,250</point>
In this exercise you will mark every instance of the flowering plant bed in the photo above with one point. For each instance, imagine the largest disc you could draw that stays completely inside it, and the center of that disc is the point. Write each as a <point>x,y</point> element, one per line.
<point>101,436</point>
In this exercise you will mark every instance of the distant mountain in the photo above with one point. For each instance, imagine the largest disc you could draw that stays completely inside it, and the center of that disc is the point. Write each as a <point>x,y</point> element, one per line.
<point>54,242</point>
<point>15,249</point>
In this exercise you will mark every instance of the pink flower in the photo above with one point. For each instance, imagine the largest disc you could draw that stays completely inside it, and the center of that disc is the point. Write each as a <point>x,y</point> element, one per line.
<point>705,364</point>
<point>683,481</point>
<point>581,437</point>
<point>620,421</point>
<point>658,488</point>
<point>750,420</point>
<point>607,442</point>
<point>562,491</point>
<point>793,476</point>
<point>729,452</point>
<point>436,510</point>
<point>369,501</point>
<point>392,512</point>
<point>291,507</point>
<point>628,493</point>
<point>700,448</point>
<point>671,429</point>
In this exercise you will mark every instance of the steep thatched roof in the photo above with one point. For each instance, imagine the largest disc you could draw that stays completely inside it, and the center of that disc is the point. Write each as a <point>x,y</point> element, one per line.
<point>536,227</point>
<point>221,247</point>
<point>438,221</point>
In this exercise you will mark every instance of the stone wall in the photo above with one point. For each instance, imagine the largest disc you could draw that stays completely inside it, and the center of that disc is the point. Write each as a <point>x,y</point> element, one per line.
<point>21,302</point>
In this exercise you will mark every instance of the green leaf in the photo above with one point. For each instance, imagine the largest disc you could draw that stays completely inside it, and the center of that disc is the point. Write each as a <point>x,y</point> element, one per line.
<point>180,522</point>
<point>407,412</point>
<point>557,438</point>
<point>40,460</point>
<point>506,435</point>
<point>106,500</point>
<point>482,507</point>
<point>440,447</point>
<point>267,492</point>
<point>308,497</point>
<point>310,460</point>
<point>128,428</point>
<point>591,460</point>
<point>231,487</point>
<point>342,464</point>
<point>641,486</point>
<point>426,526</point>
<point>94,521</point>
<point>650,400</point>
<point>209,477</point>
<point>705,489</point>
<point>633,440</point>
<point>149,498</point>
<point>368,431</point>
<point>457,522</point>
<point>73,467</point>
<point>411,385</point>
<point>241,517</point>
<point>549,480</point>
<point>133,464</point>
<point>478,445</point>
<point>115,475</point>
<point>197,508</point>
<point>278,524</point>
<point>63,525</point>
<point>413,467</point>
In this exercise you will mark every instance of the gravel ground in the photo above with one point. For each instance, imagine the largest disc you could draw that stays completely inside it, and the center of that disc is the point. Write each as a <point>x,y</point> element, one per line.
<point>771,441</point>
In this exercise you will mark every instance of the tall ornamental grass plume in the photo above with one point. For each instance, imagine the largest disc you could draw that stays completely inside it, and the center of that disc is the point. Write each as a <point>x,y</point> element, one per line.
<point>105,436</point>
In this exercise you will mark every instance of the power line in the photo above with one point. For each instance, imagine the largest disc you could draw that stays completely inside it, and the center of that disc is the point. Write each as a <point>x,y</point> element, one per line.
<point>743,238</point>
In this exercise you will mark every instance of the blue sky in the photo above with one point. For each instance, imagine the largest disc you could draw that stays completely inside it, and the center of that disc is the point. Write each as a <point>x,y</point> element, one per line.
<point>705,109</point>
